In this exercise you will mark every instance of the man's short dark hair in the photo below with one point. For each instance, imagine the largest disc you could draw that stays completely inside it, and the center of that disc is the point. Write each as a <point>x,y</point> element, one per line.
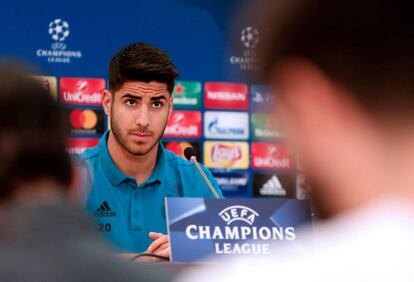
<point>32,133</point>
<point>141,62</point>
<point>367,46</point>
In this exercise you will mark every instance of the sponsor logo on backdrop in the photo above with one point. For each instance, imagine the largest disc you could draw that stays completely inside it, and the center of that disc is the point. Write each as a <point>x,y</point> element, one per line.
<point>86,121</point>
<point>220,95</point>
<point>82,91</point>
<point>271,156</point>
<point>274,185</point>
<point>261,98</point>
<point>226,125</point>
<point>59,31</point>
<point>186,124</point>
<point>49,83</point>
<point>178,148</point>
<point>265,126</point>
<point>249,40</point>
<point>78,145</point>
<point>241,224</point>
<point>226,155</point>
<point>250,37</point>
<point>187,94</point>
<point>232,183</point>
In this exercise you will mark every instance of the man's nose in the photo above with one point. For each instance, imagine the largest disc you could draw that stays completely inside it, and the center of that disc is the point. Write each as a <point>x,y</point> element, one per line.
<point>142,119</point>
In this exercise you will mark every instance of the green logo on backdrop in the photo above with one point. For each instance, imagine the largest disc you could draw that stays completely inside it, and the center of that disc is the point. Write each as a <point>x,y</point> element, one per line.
<point>187,94</point>
<point>264,126</point>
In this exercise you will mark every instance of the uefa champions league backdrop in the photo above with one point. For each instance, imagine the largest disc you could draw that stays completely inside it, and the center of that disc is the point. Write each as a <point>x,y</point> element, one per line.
<point>217,110</point>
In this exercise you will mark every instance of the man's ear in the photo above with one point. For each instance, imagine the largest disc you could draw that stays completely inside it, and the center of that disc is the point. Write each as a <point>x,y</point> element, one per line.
<point>107,101</point>
<point>171,106</point>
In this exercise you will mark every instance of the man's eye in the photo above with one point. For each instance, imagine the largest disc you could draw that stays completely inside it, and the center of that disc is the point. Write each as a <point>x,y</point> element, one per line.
<point>157,104</point>
<point>130,102</point>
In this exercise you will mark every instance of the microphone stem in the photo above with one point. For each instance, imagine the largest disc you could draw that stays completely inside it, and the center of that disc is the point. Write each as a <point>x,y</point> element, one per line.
<point>213,191</point>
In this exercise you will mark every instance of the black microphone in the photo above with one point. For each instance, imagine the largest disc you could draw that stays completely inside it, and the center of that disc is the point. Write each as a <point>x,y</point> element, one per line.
<point>189,152</point>
<point>190,155</point>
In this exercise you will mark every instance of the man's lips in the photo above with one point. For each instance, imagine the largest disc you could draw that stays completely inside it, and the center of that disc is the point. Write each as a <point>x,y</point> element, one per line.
<point>141,134</point>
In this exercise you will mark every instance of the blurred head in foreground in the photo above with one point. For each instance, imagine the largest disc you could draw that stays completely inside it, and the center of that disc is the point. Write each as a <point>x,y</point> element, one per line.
<point>343,74</point>
<point>33,158</point>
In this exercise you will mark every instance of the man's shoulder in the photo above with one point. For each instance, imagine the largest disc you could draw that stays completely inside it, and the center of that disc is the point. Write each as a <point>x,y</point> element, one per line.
<point>182,165</point>
<point>86,159</point>
<point>174,159</point>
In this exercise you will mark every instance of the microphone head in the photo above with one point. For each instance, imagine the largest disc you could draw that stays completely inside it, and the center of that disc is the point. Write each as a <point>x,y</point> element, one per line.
<point>189,152</point>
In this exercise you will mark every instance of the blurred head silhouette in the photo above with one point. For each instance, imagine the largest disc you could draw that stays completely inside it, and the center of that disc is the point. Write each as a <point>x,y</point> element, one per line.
<point>342,71</point>
<point>32,137</point>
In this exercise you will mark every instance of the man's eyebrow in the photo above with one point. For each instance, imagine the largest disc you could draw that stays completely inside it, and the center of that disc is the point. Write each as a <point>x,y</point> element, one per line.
<point>128,95</point>
<point>160,97</point>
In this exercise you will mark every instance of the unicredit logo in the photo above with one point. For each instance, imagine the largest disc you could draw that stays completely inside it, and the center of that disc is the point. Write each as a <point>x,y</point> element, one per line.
<point>82,98</point>
<point>184,124</point>
<point>226,96</point>
<point>226,153</point>
<point>82,91</point>
<point>271,162</point>
<point>178,130</point>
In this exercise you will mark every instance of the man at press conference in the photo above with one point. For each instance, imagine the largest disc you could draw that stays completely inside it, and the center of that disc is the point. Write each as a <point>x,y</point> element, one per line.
<point>130,171</point>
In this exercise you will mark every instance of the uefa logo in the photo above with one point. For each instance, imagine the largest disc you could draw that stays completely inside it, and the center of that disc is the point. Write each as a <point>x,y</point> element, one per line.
<point>238,213</point>
<point>59,30</point>
<point>250,37</point>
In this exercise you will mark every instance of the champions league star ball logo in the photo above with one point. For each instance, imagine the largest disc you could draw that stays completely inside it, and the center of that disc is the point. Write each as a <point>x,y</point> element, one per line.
<point>59,30</point>
<point>247,60</point>
<point>59,53</point>
<point>249,37</point>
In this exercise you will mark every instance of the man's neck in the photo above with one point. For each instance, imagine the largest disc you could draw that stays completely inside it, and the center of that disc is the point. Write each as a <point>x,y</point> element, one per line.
<point>138,167</point>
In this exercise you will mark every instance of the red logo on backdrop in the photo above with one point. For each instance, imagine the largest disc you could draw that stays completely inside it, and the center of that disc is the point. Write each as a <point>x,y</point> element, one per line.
<point>271,156</point>
<point>78,145</point>
<point>184,124</point>
<point>82,91</point>
<point>218,95</point>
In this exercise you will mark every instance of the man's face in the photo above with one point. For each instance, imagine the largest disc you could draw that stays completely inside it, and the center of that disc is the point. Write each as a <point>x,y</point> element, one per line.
<point>139,112</point>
